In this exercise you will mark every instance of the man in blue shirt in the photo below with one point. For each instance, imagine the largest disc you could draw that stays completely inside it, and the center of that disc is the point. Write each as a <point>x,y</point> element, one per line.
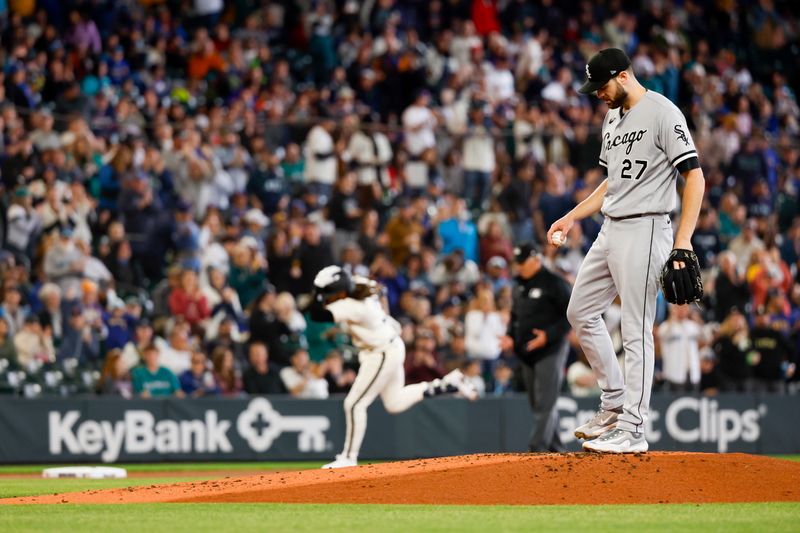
<point>459,232</point>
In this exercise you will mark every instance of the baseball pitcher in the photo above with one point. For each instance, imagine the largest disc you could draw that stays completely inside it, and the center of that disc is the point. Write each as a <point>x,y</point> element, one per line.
<point>645,146</point>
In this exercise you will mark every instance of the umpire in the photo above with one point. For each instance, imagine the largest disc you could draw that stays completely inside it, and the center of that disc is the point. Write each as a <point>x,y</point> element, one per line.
<point>538,334</point>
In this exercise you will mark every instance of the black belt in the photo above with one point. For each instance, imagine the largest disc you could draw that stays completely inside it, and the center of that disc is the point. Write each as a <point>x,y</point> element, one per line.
<point>640,215</point>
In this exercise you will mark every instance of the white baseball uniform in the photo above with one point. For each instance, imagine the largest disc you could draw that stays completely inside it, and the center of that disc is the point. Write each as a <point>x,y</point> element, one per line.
<point>382,355</point>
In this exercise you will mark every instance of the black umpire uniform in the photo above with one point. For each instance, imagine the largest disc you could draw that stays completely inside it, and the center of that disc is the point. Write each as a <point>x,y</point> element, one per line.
<point>538,329</point>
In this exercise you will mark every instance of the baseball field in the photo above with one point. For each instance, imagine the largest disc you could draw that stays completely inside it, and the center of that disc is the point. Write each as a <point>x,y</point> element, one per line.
<point>547,492</point>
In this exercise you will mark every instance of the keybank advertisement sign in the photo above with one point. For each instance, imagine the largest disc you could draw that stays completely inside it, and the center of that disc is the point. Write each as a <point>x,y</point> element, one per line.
<point>139,432</point>
<point>101,429</point>
<point>687,422</point>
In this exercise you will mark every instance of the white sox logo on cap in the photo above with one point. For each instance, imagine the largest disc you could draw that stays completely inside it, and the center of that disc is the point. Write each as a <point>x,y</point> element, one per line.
<point>588,74</point>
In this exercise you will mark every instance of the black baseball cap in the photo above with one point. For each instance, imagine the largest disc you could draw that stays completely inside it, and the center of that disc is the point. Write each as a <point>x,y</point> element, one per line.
<point>524,251</point>
<point>603,66</point>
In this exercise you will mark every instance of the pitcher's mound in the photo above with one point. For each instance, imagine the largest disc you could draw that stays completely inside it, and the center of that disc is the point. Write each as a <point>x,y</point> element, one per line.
<point>494,479</point>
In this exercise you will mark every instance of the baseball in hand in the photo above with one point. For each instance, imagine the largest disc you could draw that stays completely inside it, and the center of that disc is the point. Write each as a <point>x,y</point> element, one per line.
<point>558,238</point>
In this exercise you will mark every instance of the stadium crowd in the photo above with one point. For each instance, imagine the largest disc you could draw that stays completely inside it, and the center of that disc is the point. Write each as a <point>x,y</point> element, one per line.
<point>174,174</point>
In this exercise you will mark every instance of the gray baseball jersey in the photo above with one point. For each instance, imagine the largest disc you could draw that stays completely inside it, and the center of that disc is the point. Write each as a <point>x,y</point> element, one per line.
<point>641,150</point>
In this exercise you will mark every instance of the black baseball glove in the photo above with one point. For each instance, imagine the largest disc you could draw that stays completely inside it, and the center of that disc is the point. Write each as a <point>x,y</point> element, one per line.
<point>681,285</point>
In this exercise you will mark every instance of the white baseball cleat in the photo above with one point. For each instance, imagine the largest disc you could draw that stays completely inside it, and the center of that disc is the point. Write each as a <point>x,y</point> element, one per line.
<point>618,441</point>
<point>341,462</point>
<point>457,379</point>
<point>602,422</point>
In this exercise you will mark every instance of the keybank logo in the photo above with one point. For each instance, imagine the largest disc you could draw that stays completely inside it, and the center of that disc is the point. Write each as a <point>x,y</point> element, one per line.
<point>687,420</point>
<point>260,425</point>
<point>139,433</point>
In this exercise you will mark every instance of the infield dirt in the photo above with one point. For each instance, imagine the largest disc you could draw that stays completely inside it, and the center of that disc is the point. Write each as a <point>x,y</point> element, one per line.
<point>517,479</point>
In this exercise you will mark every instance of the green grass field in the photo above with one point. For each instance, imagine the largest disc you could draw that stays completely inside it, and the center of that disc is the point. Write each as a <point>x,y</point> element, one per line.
<point>178,467</point>
<point>772,517</point>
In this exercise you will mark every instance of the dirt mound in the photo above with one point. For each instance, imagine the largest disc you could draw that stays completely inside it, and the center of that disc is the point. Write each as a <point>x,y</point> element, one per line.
<point>493,479</point>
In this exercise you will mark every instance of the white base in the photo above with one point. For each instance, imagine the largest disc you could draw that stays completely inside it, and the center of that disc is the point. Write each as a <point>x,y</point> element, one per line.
<point>86,472</point>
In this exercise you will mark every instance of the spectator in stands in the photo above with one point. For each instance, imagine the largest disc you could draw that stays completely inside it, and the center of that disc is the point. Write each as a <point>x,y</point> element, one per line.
<point>23,224</point>
<point>163,290</point>
<point>734,353</point>
<point>82,340</point>
<point>497,274</point>
<point>322,337</point>
<point>54,311</point>
<point>454,268</point>
<point>339,378</point>
<point>404,232</point>
<point>226,333</point>
<point>419,122</point>
<point>265,327</point>
<point>484,328</point>
<point>280,258</point>
<point>141,206</point>
<point>730,287</point>
<point>709,373</point>
<point>457,231</point>
<point>344,212</point>
<point>186,234</point>
<point>302,379</point>
<point>118,325</point>
<point>455,354</point>
<point>580,378</point>
<point>706,241</point>
<point>554,200</point>
<point>313,255</point>
<point>247,276</point>
<point>423,365</point>
<point>261,377</point>
<point>775,359</point>
<point>12,310</point>
<point>7,349</point>
<point>679,340</point>
<point>142,337</point>
<point>369,152</point>
<point>732,218</point>
<point>188,301</point>
<point>744,245</point>
<point>151,380</point>
<point>176,354</point>
<point>226,375</point>
<point>503,380</point>
<point>221,298</point>
<point>472,373</point>
<point>479,155</point>
<point>114,378</point>
<point>91,308</point>
<point>127,274</point>
<point>320,159</point>
<point>64,261</point>
<point>198,381</point>
<point>768,274</point>
<point>291,325</point>
<point>494,243</point>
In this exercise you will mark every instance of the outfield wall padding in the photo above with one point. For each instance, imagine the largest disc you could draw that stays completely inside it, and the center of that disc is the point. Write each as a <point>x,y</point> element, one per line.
<point>105,429</point>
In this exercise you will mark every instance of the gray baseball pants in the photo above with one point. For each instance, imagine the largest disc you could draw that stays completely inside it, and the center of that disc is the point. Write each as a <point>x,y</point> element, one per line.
<point>625,259</point>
